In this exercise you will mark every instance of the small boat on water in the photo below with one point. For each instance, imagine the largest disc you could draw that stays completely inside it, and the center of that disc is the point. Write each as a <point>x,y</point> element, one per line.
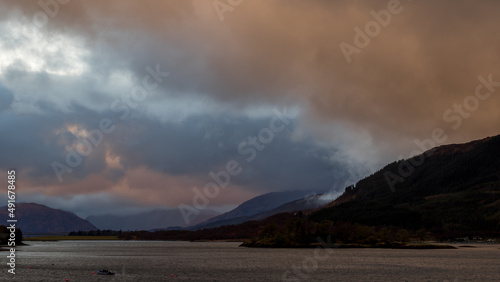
<point>105,272</point>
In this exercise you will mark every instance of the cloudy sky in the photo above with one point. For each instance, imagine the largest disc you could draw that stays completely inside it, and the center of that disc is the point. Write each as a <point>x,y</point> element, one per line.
<point>116,106</point>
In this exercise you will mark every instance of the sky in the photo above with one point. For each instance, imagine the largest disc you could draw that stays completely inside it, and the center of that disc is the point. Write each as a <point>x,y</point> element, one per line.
<point>123,106</point>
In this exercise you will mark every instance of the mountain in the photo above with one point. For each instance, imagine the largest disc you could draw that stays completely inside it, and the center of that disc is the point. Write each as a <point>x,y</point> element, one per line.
<point>452,189</point>
<point>448,192</point>
<point>248,209</point>
<point>305,204</point>
<point>40,219</point>
<point>155,219</point>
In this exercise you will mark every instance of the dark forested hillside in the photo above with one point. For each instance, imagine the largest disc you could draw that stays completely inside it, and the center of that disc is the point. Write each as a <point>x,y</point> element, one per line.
<point>452,188</point>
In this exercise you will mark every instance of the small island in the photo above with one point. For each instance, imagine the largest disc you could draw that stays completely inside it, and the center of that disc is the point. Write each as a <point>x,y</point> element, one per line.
<point>299,233</point>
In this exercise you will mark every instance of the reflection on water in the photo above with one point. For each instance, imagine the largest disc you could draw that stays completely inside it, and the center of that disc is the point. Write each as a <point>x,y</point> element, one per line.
<point>216,261</point>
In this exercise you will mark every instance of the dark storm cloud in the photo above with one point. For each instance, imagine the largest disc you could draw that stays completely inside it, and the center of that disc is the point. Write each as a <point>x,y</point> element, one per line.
<point>192,147</point>
<point>204,143</point>
<point>27,143</point>
<point>32,142</point>
<point>6,98</point>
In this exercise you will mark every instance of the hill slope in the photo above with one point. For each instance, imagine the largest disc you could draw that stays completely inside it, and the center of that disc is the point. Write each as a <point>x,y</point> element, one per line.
<point>257,205</point>
<point>303,204</point>
<point>35,218</point>
<point>452,188</point>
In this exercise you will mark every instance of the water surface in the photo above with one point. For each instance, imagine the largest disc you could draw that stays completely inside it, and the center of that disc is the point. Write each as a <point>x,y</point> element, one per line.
<point>220,261</point>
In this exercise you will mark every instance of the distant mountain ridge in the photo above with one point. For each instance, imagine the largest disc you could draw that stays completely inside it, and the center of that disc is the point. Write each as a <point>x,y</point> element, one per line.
<point>171,219</point>
<point>36,218</point>
<point>251,207</point>
<point>155,219</point>
<point>259,204</point>
<point>301,204</point>
<point>453,193</point>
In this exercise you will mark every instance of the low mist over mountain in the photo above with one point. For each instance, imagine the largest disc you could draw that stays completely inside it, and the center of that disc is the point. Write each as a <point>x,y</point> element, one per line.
<point>304,204</point>
<point>35,218</point>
